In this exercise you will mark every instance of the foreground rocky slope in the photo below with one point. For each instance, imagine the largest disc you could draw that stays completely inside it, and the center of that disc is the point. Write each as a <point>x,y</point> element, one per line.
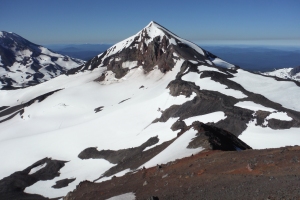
<point>23,63</point>
<point>150,99</point>
<point>250,174</point>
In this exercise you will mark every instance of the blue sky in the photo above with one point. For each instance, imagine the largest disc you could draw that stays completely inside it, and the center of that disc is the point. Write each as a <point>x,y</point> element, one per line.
<point>207,21</point>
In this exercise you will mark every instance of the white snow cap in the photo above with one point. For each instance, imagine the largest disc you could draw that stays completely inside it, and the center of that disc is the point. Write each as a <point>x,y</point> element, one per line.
<point>153,29</point>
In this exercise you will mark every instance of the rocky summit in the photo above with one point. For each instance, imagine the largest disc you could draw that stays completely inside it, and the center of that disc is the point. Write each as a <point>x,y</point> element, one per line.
<point>150,100</point>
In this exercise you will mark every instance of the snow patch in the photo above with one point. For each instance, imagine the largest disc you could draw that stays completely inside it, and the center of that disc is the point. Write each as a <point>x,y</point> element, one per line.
<point>287,93</point>
<point>280,116</point>
<point>129,64</point>
<point>264,137</point>
<point>211,117</point>
<point>35,169</point>
<point>253,106</point>
<point>221,63</point>
<point>178,149</point>
<point>126,196</point>
<point>208,84</point>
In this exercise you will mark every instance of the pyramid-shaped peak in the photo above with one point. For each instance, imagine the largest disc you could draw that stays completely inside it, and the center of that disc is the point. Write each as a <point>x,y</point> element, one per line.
<point>153,23</point>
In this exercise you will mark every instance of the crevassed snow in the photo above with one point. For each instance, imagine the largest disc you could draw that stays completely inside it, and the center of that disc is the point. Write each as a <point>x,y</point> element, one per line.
<point>253,106</point>
<point>178,149</point>
<point>287,93</point>
<point>280,115</point>
<point>37,168</point>
<point>211,117</point>
<point>260,138</point>
<point>221,63</point>
<point>208,84</point>
<point>126,196</point>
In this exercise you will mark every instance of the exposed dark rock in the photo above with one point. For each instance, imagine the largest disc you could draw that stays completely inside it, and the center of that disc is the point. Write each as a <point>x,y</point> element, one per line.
<point>123,100</point>
<point>3,107</point>
<point>137,160</point>
<point>280,124</point>
<point>179,125</point>
<point>12,111</point>
<point>13,186</point>
<point>208,175</point>
<point>116,156</point>
<point>63,183</point>
<point>295,71</point>
<point>261,116</point>
<point>153,198</point>
<point>100,78</point>
<point>98,109</point>
<point>214,138</point>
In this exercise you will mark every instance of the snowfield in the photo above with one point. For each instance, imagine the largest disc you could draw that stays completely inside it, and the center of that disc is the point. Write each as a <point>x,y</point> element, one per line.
<point>284,92</point>
<point>117,114</point>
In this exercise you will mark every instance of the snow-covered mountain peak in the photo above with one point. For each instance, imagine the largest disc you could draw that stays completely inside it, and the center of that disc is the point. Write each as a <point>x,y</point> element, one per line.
<point>152,48</point>
<point>148,100</point>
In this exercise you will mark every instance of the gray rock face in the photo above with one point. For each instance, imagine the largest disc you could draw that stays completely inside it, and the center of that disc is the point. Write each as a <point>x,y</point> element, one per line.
<point>211,137</point>
<point>148,54</point>
<point>295,71</point>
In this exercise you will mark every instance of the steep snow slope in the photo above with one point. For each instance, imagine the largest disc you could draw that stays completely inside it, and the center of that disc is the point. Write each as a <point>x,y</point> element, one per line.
<point>23,63</point>
<point>135,105</point>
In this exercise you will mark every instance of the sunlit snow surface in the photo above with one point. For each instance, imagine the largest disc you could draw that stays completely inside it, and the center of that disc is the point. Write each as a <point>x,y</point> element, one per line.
<point>284,73</point>
<point>208,84</point>
<point>67,123</point>
<point>260,138</point>
<point>126,196</point>
<point>221,63</point>
<point>211,117</point>
<point>253,106</point>
<point>286,93</point>
<point>178,149</point>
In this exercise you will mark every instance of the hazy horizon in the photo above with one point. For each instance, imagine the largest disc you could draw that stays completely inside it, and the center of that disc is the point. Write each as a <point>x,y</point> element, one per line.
<point>78,22</point>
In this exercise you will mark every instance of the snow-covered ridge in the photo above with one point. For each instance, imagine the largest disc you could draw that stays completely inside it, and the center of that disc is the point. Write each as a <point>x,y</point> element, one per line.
<point>25,63</point>
<point>152,30</point>
<point>285,73</point>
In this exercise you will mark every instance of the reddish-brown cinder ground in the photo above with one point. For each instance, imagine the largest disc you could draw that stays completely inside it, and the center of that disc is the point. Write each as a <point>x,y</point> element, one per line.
<point>249,174</point>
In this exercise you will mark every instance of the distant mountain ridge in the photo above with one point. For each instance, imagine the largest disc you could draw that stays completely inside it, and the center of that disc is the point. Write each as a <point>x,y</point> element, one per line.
<point>81,51</point>
<point>286,73</point>
<point>23,63</point>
